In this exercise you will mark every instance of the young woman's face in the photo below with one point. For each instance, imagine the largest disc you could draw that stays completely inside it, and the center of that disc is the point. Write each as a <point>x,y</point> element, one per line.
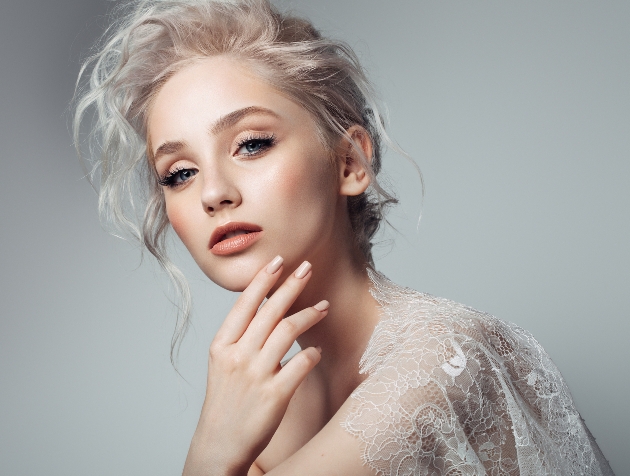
<point>245,174</point>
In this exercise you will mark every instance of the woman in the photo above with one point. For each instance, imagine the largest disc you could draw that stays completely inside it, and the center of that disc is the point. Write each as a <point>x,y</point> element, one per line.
<point>259,142</point>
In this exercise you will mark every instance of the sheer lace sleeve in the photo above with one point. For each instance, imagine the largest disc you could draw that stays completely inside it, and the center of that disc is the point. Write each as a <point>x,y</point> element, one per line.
<point>452,391</point>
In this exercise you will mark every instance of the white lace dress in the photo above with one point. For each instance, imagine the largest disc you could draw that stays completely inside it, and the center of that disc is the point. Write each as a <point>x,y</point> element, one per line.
<point>454,391</point>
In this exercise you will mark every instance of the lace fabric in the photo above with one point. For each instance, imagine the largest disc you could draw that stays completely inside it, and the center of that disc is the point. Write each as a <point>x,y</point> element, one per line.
<point>454,391</point>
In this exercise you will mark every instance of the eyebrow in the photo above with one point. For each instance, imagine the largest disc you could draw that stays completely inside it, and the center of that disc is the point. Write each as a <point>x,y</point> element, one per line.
<point>167,148</point>
<point>234,117</point>
<point>223,123</point>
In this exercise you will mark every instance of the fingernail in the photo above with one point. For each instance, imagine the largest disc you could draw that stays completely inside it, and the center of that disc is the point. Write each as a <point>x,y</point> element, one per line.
<point>274,265</point>
<point>303,270</point>
<point>319,349</point>
<point>322,306</point>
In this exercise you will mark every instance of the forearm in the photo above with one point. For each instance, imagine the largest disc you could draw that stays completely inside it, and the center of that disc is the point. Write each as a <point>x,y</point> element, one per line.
<point>201,465</point>
<point>208,458</point>
<point>254,470</point>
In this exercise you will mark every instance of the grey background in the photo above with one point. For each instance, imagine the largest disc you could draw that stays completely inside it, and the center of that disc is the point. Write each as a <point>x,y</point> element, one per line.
<point>518,114</point>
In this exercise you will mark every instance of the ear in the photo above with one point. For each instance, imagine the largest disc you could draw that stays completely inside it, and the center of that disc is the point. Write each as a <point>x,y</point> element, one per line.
<point>354,154</point>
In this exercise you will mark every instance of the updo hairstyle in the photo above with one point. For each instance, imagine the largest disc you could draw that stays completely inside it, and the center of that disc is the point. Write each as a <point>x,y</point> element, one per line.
<point>153,39</point>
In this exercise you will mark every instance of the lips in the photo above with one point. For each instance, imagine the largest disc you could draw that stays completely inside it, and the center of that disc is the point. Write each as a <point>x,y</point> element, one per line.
<point>233,237</point>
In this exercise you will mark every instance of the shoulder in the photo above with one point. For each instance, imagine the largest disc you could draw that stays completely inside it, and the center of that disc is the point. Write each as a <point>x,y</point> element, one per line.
<point>450,388</point>
<point>310,442</point>
<point>434,331</point>
<point>304,417</point>
<point>332,451</point>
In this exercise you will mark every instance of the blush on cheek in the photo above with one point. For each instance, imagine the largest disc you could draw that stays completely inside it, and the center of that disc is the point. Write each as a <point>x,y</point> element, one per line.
<point>178,222</point>
<point>299,182</point>
<point>289,183</point>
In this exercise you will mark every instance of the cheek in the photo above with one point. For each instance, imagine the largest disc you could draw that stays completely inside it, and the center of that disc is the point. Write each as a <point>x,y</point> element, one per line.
<point>307,184</point>
<point>180,221</point>
<point>176,221</point>
<point>290,184</point>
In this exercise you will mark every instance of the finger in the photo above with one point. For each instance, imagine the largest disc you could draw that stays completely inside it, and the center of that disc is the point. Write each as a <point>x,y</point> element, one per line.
<point>276,307</point>
<point>248,302</point>
<point>295,370</point>
<point>287,330</point>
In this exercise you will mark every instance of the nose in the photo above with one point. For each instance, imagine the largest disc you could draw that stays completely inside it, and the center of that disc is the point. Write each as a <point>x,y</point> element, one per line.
<point>219,192</point>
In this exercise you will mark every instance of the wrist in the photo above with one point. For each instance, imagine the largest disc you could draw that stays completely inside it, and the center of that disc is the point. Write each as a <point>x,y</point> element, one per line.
<point>208,457</point>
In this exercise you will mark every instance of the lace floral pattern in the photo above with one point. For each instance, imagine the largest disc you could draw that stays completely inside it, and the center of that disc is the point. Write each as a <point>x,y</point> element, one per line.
<point>454,391</point>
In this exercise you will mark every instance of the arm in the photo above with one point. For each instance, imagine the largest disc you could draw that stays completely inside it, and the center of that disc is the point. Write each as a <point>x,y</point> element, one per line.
<point>255,471</point>
<point>331,452</point>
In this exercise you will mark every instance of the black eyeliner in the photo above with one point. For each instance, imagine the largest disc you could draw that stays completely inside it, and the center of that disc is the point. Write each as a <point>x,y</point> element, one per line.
<point>168,179</point>
<point>266,140</point>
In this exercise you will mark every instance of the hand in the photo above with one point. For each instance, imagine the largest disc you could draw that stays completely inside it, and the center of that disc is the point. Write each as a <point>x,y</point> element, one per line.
<point>248,390</point>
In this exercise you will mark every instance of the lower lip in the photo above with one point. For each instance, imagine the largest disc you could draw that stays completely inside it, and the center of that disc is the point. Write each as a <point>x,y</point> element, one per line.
<point>235,244</point>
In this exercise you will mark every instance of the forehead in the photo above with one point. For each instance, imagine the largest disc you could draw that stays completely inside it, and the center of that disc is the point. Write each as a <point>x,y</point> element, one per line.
<point>212,88</point>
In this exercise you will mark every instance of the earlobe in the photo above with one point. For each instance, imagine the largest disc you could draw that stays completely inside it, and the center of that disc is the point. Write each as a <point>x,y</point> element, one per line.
<point>354,155</point>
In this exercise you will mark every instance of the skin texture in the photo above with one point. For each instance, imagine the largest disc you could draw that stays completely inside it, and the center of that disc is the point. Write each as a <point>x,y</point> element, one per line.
<point>288,188</point>
<point>257,415</point>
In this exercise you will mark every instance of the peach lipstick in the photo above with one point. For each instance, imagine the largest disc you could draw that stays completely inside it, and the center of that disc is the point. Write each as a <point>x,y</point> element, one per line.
<point>234,237</point>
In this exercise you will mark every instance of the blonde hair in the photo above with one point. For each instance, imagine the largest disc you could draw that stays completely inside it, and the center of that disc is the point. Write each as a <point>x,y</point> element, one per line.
<point>152,40</point>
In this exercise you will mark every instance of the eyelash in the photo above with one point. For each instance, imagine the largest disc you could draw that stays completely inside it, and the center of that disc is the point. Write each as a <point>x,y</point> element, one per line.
<point>266,142</point>
<point>168,179</point>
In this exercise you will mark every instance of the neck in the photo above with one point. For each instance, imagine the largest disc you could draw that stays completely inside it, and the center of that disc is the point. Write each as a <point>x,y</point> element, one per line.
<point>343,334</point>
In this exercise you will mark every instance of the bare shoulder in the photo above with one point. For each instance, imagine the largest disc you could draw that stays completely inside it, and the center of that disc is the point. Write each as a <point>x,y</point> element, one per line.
<point>305,416</point>
<point>332,451</point>
<point>311,442</point>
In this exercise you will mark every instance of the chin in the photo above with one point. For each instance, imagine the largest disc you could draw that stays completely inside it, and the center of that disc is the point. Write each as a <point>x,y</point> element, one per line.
<point>234,285</point>
<point>233,275</point>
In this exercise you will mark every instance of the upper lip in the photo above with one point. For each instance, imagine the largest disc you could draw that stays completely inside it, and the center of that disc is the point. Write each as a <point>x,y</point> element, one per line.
<point>220,231</point>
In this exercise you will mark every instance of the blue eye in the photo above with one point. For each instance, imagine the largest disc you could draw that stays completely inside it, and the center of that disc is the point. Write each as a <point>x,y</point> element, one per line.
<point>177,177</point>
<point>255,145</point>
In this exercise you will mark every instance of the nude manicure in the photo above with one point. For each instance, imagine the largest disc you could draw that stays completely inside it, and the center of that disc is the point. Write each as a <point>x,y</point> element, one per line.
<point>303,270</point>
<point>322,306</point>
<point>274,265</point>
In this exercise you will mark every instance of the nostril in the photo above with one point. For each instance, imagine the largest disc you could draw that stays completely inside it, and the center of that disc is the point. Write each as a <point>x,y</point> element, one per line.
<point>211,203</point>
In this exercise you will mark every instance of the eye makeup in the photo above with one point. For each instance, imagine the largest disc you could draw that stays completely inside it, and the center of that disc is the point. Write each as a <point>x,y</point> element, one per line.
<point>177,177</point>
<point>254,144</point>
<point>251,145</point>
